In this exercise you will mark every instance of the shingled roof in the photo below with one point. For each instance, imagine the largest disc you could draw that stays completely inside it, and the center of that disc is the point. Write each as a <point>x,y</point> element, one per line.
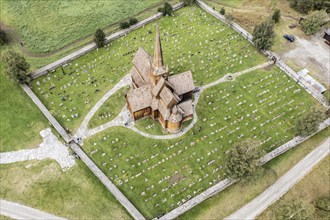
<point>136,77</point>
<point>140,98</point>
<point>142,62</point>
<point>187,108</point>
<point>156,90</point>
<point>182,83</point>
<point>167,96</point>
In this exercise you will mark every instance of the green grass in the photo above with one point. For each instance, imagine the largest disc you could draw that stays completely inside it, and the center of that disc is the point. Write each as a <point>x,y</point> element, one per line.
<point>212,56</point>
<point>227,114</point>
<point>20,120</point>
<point>110,109</point>
<point>231,199</point>
<point>74,194</point>
<point>309,189</point>
<point>150,126</point>
<point>47,27</point>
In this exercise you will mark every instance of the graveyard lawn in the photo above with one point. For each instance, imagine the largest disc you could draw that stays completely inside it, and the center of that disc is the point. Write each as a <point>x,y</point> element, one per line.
<point>54,25</point>
<point>225,203</point>
<point>159,175</point>
<point>71,91</point>
<point>110,109</point>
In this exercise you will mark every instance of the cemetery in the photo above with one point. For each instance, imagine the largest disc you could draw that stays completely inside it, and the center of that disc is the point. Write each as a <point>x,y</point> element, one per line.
<point>159,175</point>
<point>73,89</point>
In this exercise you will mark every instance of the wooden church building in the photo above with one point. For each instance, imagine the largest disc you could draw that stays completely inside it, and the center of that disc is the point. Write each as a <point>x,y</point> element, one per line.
<point>168,99</point>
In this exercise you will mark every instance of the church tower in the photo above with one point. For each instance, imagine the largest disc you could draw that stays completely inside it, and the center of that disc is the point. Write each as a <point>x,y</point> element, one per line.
<point>158,69</point>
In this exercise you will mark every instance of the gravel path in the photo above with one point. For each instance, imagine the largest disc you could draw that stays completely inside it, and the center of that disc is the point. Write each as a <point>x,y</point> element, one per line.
<point>282,185</point>
<point>18,211</point>
<point>51,147</point>
<point>83,129</point>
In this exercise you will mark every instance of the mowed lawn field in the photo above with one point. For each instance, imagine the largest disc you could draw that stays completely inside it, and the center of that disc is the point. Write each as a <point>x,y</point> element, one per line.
<point>49,25</point>
<point>159,175</point>
<point>21,121</point>
<point>71,91</point>
<point>73,194</point>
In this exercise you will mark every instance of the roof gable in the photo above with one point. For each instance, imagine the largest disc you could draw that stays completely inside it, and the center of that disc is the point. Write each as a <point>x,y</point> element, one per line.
<point>182,83</point>
<point>142,62</point>
<point>139,98</point>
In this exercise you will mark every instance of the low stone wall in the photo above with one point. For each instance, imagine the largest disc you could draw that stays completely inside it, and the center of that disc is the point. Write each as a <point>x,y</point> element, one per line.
<point>92,46</point>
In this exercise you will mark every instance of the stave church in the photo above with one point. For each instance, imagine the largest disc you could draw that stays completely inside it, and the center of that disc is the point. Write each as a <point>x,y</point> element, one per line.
<point>153,93</point>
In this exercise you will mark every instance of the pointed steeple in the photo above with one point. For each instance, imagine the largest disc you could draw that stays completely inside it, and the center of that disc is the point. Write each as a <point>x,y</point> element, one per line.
<point>158,53</point>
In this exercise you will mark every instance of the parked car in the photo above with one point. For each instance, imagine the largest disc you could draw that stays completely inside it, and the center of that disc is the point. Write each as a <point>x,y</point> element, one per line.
<point>289,37</point>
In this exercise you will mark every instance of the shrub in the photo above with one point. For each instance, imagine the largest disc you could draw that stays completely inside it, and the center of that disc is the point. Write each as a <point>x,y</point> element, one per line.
<point>243,160</point>
<point>309,123</point>
<point>124,25</point>
<point>166,10</point>
<point>264,35</point>
<point>303,6</point>
<point>314,22</point>
<point>223,11</point>
<point>16,67</point>
<point>133,21</point>
<point>276,15</point>
<point>99,38</point>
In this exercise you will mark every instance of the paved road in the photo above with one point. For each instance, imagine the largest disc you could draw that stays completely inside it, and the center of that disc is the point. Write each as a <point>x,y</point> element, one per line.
<point>17,211</point>
<point>282,185</point>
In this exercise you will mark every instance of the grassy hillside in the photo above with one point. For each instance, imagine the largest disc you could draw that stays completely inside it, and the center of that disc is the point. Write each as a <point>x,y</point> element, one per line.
<point>47,27</point>
<point>20,120</point>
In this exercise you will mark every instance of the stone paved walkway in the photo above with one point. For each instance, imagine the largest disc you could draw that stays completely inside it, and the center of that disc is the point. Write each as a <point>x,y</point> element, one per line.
<point>51,147</point>
<point>124,115</point>
<point>83,129</point>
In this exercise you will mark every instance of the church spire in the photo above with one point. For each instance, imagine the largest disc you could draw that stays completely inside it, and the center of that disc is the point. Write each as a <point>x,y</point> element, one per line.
<point>158,53</point>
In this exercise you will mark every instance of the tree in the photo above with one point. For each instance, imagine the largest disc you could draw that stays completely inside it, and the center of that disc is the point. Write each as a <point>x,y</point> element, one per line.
<point>99,38</point>
<point>16,67</point>
<point>223,11</point>
<point>124,25</point>
<point>314,21</point>
<point>309,123</point>
<point>189,2</point>
<point>166,10</point>
<point>3,38</point>
<point>296,209</point>
<point>303,6</point>
<point>276,15</point>
<point>243,160</point>
<point>264,35</point>
<point>133,21</point>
